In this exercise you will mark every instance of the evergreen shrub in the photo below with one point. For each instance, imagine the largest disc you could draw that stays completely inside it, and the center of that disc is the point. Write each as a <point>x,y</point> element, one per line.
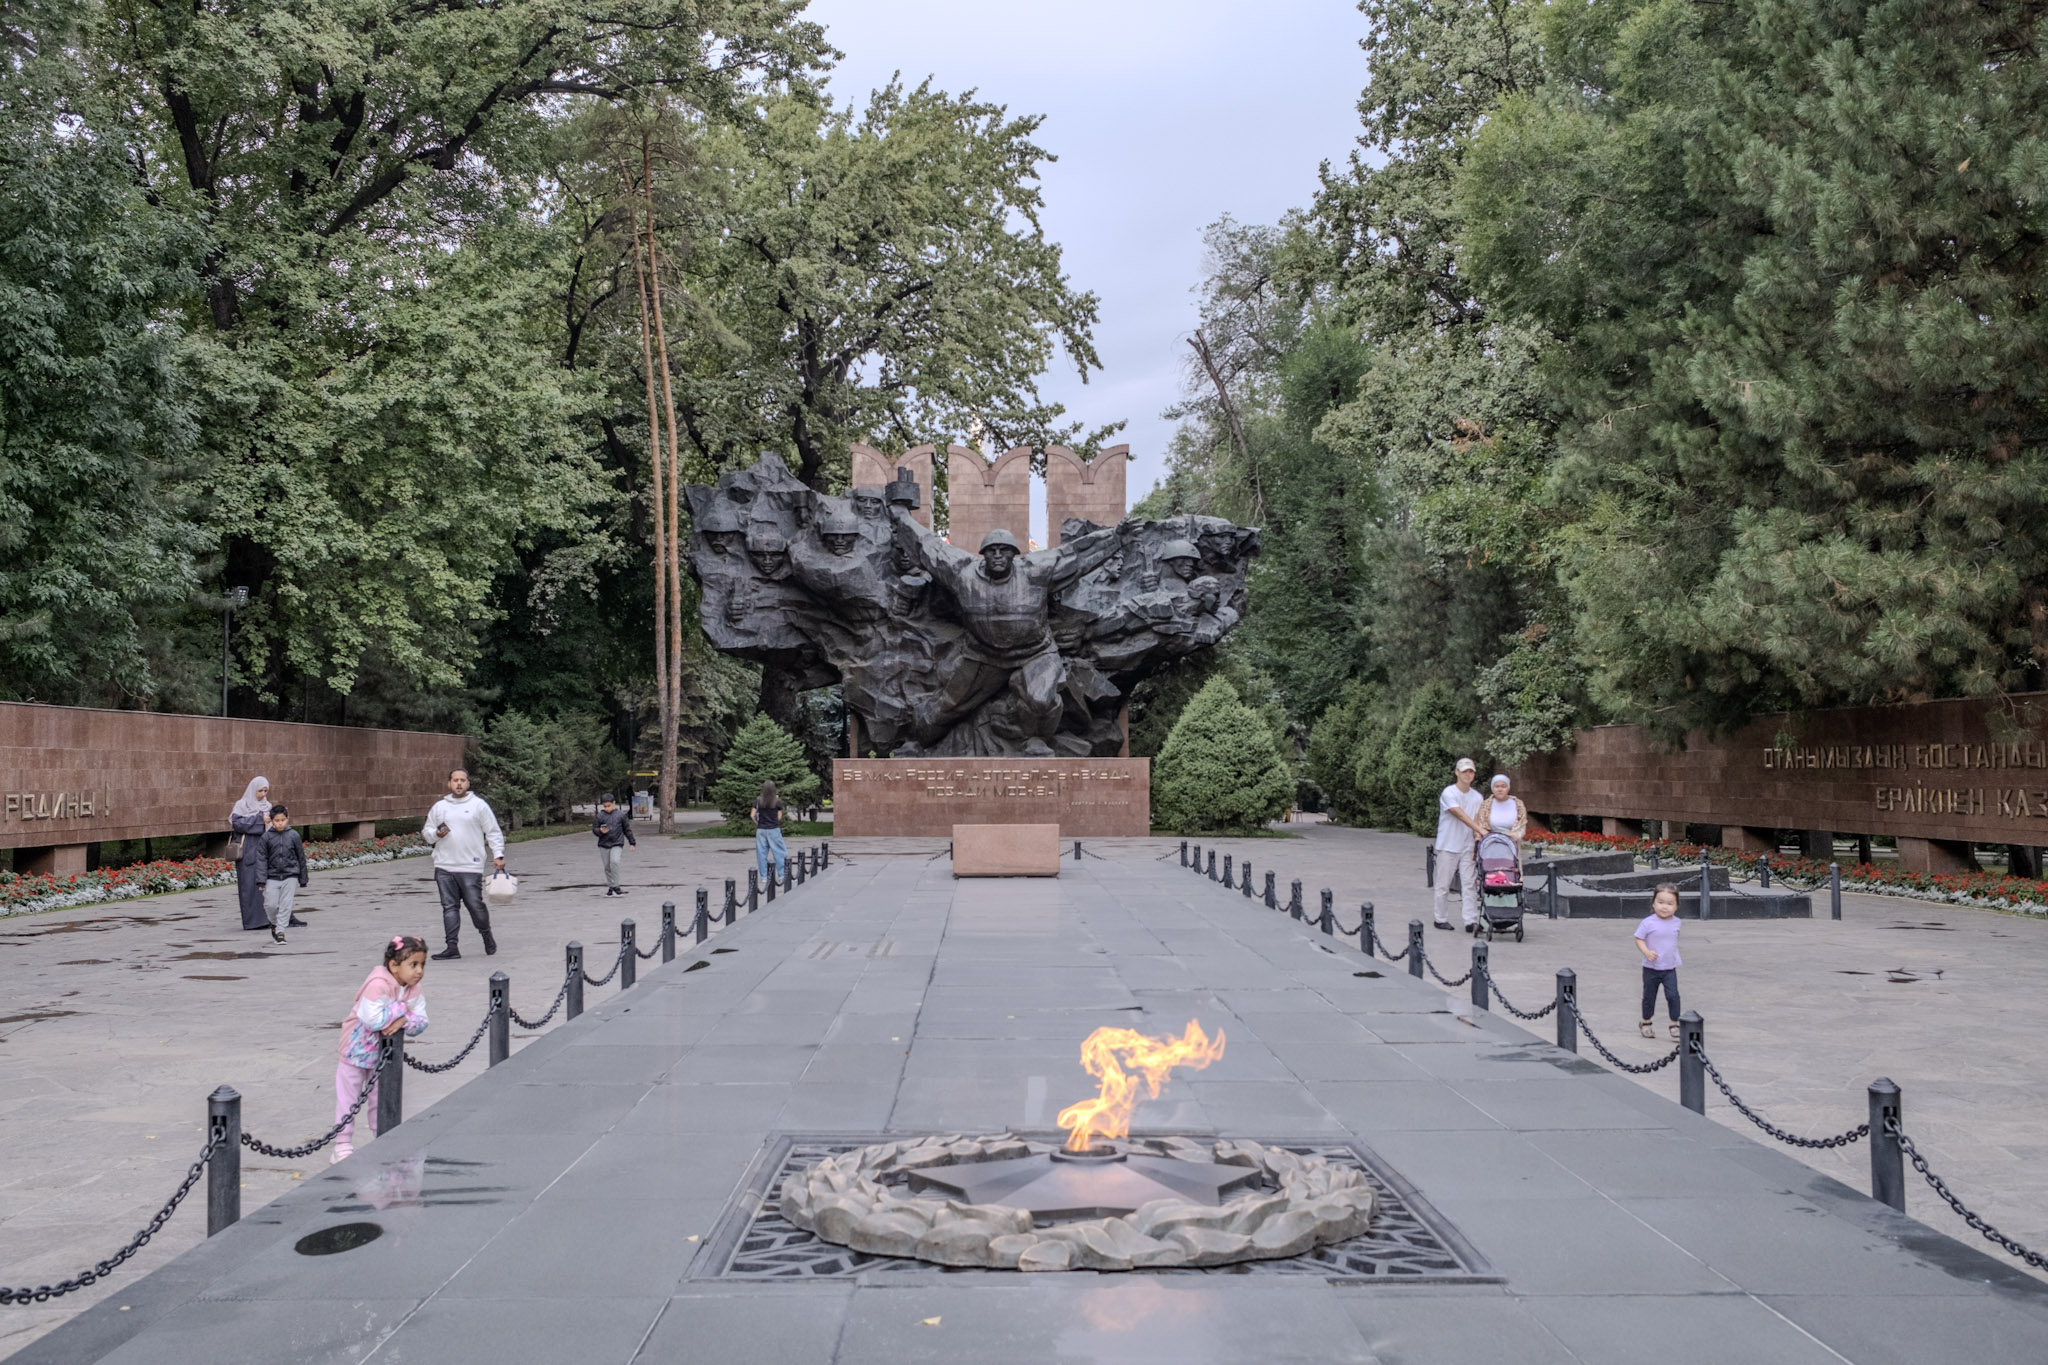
<point>762,751</point>
<point>1435,732</point>
<point>1220,769</point>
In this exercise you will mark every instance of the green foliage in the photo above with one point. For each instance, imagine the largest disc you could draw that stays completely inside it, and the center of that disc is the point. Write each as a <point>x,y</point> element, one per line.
<point>534,769</point>
<point>1219,770</point>
<point>1346,751</point>
<point>762,751</point>
<point>1435,731</point>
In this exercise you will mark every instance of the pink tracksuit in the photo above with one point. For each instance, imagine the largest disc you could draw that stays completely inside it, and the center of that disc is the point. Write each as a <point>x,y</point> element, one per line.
<point>380,1001</point>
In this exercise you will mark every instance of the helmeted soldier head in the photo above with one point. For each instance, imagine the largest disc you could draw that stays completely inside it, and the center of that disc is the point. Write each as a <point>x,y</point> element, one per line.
<point>768,549</point>
<point>999,551</point>
<point>1207,594</point>
<point>1182,557</point>
<point>867,501</point>
<point>721,528</point>
<point>839,529</point>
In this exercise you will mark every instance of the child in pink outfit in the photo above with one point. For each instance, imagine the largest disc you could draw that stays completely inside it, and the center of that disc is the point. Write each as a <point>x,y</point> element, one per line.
<point>390,1000</point>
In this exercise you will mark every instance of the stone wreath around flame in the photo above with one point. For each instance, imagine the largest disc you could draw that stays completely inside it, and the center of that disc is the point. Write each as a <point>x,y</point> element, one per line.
<point>844,1200</point>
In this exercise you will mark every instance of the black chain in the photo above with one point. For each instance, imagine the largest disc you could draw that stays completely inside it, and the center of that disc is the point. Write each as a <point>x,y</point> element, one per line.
<point>490,1013</point>
<point>1431,966</point>
<point>1992,1234</point>
<point>1342,931</point>
<point>1509,1006</point>
<point>617,962</point>
<point>1856,1134</point>
<point>560,996</point>
<point>44,1293</point>
<point>294,1153</point>
<point>649,953</point>
<point>1666,1060</point>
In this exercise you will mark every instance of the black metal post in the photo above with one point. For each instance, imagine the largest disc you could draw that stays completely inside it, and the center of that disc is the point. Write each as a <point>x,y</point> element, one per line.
<point>825,854</point>
<point>753,890</point>
<point>1763,870</point>
<point>1272,900</point>
<point>1367,933</point>
<point>573,955</point>
<point>224,1172</point>
<point>1327,921</point>
<point>1480,998</point>
<point>1229,875</point>
<point>1653,857</point>
<point>391,1084</point>
<point>1077,853</point>
<point>772,879</point>
<point>797,867</point>
<point>1887,1158</point>
<point>1567,1007</point>
<point>668,931</point>
<point>1212,864</point>
<point>1294,898</point>
<point>1706,887</point>
<point>703,914</point>
<point>501,1017</point>
<point>1183,853</point>
<point>629,953</point>
<point>732,902</point>
<point>1692,1066</point>
<point>1550,889</point>
<point>1415,948</point>
<point>1834,890</point>
<point>1244,879</point>
<point>1198,860</point>
<point>1429,866</point>
<point>788,875</point>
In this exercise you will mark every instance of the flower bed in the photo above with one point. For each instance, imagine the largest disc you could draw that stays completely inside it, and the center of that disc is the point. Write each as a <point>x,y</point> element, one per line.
<point>1993,890</point>
<point>25,895</point>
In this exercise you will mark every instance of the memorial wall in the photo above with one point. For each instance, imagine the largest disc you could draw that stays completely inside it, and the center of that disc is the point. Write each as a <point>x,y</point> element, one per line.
<point>1931,774</point>
<point>1085,797</point>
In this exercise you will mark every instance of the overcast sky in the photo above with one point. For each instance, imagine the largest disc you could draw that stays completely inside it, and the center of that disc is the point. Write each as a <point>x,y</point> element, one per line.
<point>1165,115</point>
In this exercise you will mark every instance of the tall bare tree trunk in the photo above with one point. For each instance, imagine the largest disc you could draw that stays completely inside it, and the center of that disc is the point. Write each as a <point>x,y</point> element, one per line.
<point>1244,451</point>
<point>661,549</point>
<point>673,695</point>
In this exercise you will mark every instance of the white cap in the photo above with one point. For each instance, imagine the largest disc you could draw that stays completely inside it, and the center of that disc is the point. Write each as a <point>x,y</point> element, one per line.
<point>1467,765</point>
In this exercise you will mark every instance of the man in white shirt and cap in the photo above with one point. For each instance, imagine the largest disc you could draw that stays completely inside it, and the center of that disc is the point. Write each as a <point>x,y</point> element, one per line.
<point>463,831</point>
<point>1457,837</point>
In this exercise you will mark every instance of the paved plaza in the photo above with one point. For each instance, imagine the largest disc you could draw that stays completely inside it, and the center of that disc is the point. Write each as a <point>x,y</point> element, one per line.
<point>589,1200</point>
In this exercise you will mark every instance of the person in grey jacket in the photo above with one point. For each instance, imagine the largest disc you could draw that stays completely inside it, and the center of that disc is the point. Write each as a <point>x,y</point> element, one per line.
<point>282,857</point>
<point>613,827</point>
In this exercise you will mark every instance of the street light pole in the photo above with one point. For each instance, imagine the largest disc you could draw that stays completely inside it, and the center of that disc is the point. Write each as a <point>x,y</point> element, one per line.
<point>231,602</point>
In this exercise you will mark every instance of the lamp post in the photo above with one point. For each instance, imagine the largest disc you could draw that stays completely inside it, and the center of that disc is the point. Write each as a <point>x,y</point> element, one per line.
<point>232,601</point>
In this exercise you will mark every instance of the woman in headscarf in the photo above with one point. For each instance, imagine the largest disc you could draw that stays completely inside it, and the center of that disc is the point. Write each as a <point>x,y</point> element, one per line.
<point>246,821</point>
<point>1506,814</point>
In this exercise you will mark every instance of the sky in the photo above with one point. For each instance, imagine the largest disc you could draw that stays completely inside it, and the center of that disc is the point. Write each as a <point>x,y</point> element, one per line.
<point>1165,115</point>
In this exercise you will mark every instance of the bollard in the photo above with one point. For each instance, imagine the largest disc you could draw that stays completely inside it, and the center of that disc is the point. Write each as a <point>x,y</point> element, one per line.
<point>703,914</point>
<point>1429,866</point>
<point>668,930</point>
<point>732,902</point>
<point>1229,877</point>
<point>1567,1006</point>
<point>1692,1068</point>
<point>1244,879</point>
<point>771,885</point>
<point>1480,999</point>
<point>1887,1158</point>
<point>1198,860</point>
<point>391,1085</point>
<point>629,953</point>
<point>573,1006</point>
<point>1367,934</point>
<point>501,1017</point>
<point>1763,870</point>
<point>753,890</point>
<point>1653,857</point>
<point>1077,853</point>
<point>1835,892</point>
<point>1706,888</point>
<point>1294,898</point>
<point>788,877</point>
<point>1550,891</point>
<point>1327,921</point>
<point>1272,901</point>
<point>825,854</point>
<point>224,1172</point>
<point>797,867</point>
<point>1415,948</point>
<point>1183,853</point>
<point>1212,864</point>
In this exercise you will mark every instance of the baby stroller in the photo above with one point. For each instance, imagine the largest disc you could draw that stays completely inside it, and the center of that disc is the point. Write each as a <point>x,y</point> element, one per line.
<point>1500,885</point>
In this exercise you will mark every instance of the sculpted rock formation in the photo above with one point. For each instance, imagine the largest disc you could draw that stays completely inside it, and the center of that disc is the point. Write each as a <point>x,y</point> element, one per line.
<point>947,650</point>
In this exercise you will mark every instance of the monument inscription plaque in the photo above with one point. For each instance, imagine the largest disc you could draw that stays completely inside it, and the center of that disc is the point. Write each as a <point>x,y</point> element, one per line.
<point>1097,797</point>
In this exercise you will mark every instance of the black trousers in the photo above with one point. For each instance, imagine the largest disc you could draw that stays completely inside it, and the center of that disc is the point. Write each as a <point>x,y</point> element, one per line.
<point>1653,979</point>
<point>457,890</point>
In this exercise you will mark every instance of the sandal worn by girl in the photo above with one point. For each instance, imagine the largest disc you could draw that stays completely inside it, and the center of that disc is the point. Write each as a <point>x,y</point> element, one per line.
<point>1647,1029</point>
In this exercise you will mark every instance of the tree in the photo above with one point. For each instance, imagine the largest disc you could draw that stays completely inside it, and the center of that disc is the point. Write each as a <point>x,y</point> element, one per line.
<point>1436,730</point>
<point>1220,769</point>
<point>762,751</point>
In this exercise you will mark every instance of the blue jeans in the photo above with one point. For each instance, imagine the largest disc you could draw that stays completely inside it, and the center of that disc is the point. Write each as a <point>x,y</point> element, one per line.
<point>1655,979</point>
<point>768,841</point>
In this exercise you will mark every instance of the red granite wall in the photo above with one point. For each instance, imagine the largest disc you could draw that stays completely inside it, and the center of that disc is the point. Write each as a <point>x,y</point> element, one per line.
<point>1092,797</point>
<point>74,776</point>
<point>1973,771</point>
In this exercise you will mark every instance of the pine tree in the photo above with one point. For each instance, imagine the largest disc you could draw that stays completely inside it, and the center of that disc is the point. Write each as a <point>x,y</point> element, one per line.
<point>762,751</point>
<point>1220,769</point>
<point>1436,731</point>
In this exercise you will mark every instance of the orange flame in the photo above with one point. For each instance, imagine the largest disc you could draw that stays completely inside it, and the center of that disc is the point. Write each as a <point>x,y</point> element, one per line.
<point>1121,1058</point>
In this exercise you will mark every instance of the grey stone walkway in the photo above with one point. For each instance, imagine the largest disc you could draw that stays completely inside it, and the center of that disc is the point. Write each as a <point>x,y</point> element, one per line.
<point>560,1207</point>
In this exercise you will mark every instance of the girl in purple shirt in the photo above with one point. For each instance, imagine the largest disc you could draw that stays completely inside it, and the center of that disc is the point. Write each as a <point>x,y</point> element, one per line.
<point>1657,941</point>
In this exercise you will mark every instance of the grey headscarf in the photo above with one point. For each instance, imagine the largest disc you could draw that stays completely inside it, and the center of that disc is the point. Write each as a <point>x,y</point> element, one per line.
<point>250,804</point>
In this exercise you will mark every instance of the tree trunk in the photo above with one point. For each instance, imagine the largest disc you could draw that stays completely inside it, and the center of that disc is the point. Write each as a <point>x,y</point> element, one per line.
<point>1230,417</point>
<point>655,485</point>
<point>672,696</point>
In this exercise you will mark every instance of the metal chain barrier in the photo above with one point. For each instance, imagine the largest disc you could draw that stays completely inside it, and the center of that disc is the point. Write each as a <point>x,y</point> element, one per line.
<point>1666,1060</point>
<point>649,954</point>
<point>590,980</point>
<point>416,1064</point>
<point>44,1293</point>
<point>1509,1006</point>
<point>560,996</point>
<point>294,1153</point>
<point>1990,1233</point>
<point>1856,1134</point>
<point>1431,967</point>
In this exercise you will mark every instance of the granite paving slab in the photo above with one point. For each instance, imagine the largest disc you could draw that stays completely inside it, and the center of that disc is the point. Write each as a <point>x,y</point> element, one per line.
<point>562,1206</point>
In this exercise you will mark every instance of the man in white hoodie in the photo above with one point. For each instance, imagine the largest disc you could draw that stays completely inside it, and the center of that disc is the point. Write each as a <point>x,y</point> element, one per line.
<point>461,828</point>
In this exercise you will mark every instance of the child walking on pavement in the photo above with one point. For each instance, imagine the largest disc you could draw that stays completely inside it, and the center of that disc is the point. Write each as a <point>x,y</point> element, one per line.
<point>283,859</point>
<point>390,1000</point>
<point>614,830</point>
<point>1657,941</point>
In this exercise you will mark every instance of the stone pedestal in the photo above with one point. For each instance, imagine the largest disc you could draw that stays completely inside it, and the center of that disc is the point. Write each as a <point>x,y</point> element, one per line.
<point>58,860</point>
<point>1006,850</point>
<point>1083,797</point>
<point>356,829</point>
<point>1614,827</point>
<point>1936,855</point>
<point>1749,839</point>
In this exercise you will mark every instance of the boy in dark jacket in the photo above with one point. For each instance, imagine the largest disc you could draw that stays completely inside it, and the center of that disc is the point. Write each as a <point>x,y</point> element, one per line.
<point>283,856</point>
<point>614,830</point>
